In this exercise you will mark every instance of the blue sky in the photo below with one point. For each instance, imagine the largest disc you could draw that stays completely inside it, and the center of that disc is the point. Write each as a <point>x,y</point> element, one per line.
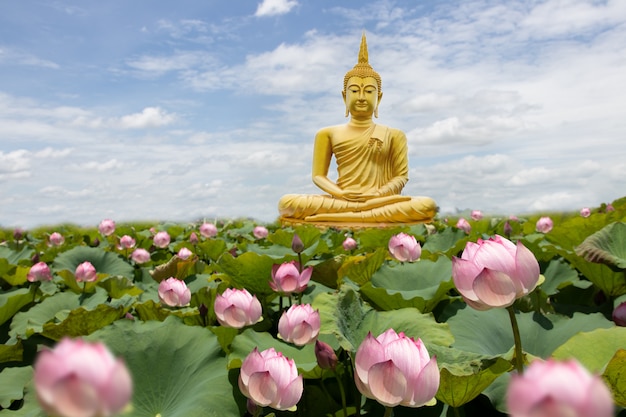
<point>199,109</point>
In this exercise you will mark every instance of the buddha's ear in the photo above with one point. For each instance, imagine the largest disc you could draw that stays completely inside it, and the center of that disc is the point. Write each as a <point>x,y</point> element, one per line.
<point>380,96</point>
<point>343,94</point>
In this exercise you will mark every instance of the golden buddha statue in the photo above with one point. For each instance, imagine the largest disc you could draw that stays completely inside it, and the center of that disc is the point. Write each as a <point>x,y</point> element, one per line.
<point>372,165</point>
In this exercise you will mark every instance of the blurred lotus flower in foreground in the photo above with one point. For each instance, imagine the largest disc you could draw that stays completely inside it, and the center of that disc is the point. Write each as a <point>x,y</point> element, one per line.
<point>127,242</point>
<point>476,215</point>
<point>558,389</point>
<point>208,230</point>
<point>161,240</point>
<point>464,225</point>
<point>349,244</point>
<point>140,256</point>
<point>394,369</point>
<point>81,379</point>
<point>86,272</point>
<point>39,272</point>
<point>325,355</point>
<point>237,308</point>
<point>299,325</point>
<point>544,225</point>
<point>106,227</point>
<point>494,273</point>
<point>56,239</point>
<point>287,279</point>
<point>184,253</point>
<point>174,292</point>
<point>404,248</point>
<point>260,232</point>
<point>619,315</point>
<point>270,379</point>
<point>585,212</point>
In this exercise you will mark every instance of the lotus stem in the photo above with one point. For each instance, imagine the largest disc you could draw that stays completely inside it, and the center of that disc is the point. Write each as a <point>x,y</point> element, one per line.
<point>388,412</point>
<point>519,355</point>
<point>342,392</point>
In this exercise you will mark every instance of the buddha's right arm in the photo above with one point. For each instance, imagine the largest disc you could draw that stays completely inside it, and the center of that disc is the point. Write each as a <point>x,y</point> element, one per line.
<point>322,155</point>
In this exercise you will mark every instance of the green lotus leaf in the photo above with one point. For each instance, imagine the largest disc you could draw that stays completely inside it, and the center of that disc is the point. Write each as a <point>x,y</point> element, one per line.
<point>249,270</point>
<point>615,377</point>
<point>593,348</point>
<point>11,352</point>
<point>212,249</point>
<point>450,241</point>
<point>12,384</point>
<point>360,269</point>
<point>175,267</point>
<point>607,246</point>
<point>81,322</point>
<point>12,301</point>
<point>105,262</point>
<point>13,275</point>
<point>13,256</point>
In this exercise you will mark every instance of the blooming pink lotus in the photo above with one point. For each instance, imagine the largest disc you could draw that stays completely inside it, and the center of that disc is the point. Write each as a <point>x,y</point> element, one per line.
<point>140,256</point>
<point>106,227</point>
<point>260,232</point>
<point>208,230</point>
<point>184,253</point>
<point>237,308</point>
<point>161,239</point>
<point>349,244</point>
<point>174,292</point>
<point>86,272</point>
<point>585,212</point>
<point>81,379</point>
<point>404,248</point>
<point>556,389</point>
<point>394,369</point>
<point>270,379</point>
<point>299,325</point>
<point>476,215</point>
<point>127,242</point>
<point>544,224</point>
<point>39,272</point>
<point>287,279</point>
<point>494,273</point>
<point>464,225</point>
<point>56,239</point>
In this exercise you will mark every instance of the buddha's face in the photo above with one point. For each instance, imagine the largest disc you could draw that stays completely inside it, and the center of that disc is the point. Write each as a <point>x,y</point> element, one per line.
<point>361,96</point>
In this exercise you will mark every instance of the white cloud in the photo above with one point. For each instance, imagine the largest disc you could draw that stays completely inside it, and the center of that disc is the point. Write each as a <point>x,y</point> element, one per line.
<point>275,7</point>
<point>148,118</point>
<point>9,56</point>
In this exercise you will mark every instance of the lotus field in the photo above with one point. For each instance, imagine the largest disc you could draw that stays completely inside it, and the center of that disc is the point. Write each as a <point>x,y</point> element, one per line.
<point>468,316</point>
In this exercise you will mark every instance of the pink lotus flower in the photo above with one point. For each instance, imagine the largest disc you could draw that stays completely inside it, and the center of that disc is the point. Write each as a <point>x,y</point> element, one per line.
<point>193,238</point>
<point>106,227</point>
<point>208,230</point>
<point>325,355</point>
<point>270,379</point>
<point>56,239</point>
<point>260,232</point>
<point>349,244</point>
<point>287,279</point>
<point>86,272</point>
<point>476,215</point>
<point>555,389</point>
<point>127,242</point>
<point>81,379</point>
<point>464,225</point>
<point>174,292</point>
<point>544,225</point>
<point>619,315</point>
<point>184,253</point>
<point>39,272</point>
<point>609,207</point>
<point>585,212</point>
<point>161,240</point>
<point>237,308</point>
<point>494,273</point>
<point>404,248</point>
<point>394,369</point>
<point>299,325</point>
<point>140,256</point>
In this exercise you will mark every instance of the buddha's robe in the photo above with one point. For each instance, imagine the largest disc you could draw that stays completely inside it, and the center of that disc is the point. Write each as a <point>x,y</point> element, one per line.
<point>374,162</point>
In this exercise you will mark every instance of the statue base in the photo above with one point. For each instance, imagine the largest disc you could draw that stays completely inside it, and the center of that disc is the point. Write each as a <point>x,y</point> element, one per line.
<point>285,222</point>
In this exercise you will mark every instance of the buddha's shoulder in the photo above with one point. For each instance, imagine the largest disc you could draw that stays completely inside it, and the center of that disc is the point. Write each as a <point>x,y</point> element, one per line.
<point>393,132</point>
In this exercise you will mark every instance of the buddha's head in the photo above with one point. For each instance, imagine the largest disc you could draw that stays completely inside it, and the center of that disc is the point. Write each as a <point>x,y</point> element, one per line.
<point>363,81</point>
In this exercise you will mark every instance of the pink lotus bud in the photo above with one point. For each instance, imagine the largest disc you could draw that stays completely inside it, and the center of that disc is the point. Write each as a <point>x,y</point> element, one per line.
<point>193,238</point>
<point>237,308</point>
<point>405,248</point>
<point>507,229</point>
<point>81,379</point>
<point>585,212</point>
<point>619,315</point>
<point>270,379</point>
<point>296,244</point>
<point>494,273</point>
<point>39,272</point>
<point>56,239</point>
<point>325,355</point>
<point>106,227</point>
<point>174,292</point>
<point>18,233</point>
<point>161,240</point>
<point>464,225</point>
<point>287,279</point>
<point>208,230</point>
<point>552,388</point>
<point>127,242</point>
<point>260,232</point>
<point>184,253</point>
<point>349,244</point>
<point>394,369</point>
<point>476,215</point>
<point>299,325</point>
<point>140,256</point>
<point>86,272</point>
<point>544,225</point>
